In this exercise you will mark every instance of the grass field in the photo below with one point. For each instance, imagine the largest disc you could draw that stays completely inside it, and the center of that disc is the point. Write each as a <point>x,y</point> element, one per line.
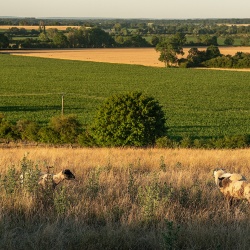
<point>201,103</point>
<point>123,199</point>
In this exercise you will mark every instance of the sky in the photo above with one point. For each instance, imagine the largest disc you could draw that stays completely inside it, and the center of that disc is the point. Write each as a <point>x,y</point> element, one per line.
<point>155,9</point>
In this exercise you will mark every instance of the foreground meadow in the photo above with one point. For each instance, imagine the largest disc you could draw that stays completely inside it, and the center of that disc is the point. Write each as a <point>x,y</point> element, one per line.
<point>122,199</point>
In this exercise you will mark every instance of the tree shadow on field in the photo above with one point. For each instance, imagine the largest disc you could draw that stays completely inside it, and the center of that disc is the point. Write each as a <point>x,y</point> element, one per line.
<point>28,108</point>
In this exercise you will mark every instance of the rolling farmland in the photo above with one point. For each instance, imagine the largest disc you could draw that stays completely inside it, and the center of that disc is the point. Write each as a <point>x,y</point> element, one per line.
<point>201,103</point>
<point>124,198</point>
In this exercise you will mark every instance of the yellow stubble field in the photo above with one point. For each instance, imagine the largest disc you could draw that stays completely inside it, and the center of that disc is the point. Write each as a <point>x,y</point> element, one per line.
<point>138,56</point>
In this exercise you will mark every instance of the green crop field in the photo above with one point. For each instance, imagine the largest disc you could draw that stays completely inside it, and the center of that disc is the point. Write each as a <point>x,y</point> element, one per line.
<point>200,103</point>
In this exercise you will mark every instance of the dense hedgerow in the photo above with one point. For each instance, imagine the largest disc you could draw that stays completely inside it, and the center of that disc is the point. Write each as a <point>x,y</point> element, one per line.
<point>68,130</point>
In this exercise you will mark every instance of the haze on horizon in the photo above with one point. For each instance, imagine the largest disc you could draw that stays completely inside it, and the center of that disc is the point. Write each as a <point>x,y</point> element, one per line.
<point>157,9</point>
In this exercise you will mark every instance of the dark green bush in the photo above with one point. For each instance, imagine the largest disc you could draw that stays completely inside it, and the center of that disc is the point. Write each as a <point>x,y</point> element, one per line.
<point>67,127</point>
<point>7,130</point>
<point>28,130</point>
<point>132,119</point>
<point>164,142</point>
<point>48,135</point>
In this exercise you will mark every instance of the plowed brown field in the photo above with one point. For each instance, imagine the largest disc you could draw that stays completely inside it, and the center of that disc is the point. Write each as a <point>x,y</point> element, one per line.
<point>139,56</point>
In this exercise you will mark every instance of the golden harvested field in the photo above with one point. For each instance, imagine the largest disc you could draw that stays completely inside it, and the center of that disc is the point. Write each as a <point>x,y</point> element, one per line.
<point>139,56</point>
<point>199,160</point>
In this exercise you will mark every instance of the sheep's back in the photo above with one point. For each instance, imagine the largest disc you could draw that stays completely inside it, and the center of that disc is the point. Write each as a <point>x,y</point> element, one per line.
<point>235,189</point>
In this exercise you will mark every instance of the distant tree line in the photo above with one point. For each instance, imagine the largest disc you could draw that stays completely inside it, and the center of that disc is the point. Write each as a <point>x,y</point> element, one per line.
<point>73,38</point>
<point>124,32</point>
<point>86,37</point>
<point>157,26</point>
<point>171,50</point>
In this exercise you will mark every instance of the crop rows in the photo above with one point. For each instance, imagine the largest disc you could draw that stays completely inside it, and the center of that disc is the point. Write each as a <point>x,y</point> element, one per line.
<point>202,103</point>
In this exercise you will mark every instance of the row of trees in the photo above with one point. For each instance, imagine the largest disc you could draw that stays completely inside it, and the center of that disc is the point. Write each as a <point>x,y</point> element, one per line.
<point>73,38</point>
<point>132,119</point>
<point>95,37</point>
<point>147,26</point>
<point>171,50</point>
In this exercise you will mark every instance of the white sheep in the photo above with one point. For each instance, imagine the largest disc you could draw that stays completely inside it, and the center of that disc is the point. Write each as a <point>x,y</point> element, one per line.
<point>47,179</point>
<point>234,190</point>
<point>221,173</point>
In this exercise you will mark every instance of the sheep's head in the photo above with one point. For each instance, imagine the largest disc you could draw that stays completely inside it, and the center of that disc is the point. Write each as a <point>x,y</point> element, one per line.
<point>68,174</point>
<point>224,182</point>
<point>217,173</point>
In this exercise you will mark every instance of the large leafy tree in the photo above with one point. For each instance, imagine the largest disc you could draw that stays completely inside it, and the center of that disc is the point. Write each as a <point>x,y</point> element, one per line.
<point>170,49</point>
<point>98,38</point>
<point>195,57</point>
<point>132,119</point>
<point>212,52</point>
<point>4,41</point>
<point>60,40</point>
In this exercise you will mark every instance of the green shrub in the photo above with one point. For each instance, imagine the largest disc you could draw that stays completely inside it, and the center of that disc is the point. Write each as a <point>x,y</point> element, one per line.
<point>7,130</point>
<point>67,127</point>
<point>164,142</point>
<point>10,180</point>
<point>149,198</point>
<point>186,142</point>
<point>28,130</point>
<point>48,135</point>
<point>132,119</point>
<point>85,139</point>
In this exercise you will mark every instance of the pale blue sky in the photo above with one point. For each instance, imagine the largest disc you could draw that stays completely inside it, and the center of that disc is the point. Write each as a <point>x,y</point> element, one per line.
<point>179,9</point>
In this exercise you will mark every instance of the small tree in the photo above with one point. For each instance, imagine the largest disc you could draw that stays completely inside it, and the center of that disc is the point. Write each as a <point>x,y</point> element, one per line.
<point>229,41</point>
<point>212,52</point>
<point>4,41</point>
<point>131,119</point>
<point>170,48</point>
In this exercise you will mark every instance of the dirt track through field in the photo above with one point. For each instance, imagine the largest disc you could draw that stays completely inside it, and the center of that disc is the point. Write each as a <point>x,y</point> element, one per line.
<point>139,56</point>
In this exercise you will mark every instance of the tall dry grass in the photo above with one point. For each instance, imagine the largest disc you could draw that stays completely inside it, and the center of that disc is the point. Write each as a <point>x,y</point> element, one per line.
<point>124,199</point>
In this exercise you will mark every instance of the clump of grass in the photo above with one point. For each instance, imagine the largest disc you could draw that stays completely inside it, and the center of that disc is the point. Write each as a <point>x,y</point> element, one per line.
<point>61,201</point>
<point>93,184</point>
<point>10,181</point>
<point>149,199</point>
<point>163,165</point>
<point>132,187</point>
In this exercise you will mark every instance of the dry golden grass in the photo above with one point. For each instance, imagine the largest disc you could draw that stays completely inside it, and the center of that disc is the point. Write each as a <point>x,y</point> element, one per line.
<point>125,199</point>
<point>80,158</point>
<point>139,56</point>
